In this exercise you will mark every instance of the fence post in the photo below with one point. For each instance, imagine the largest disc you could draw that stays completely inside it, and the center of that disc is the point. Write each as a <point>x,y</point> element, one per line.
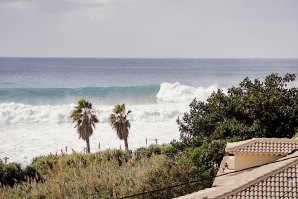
<point>5,159</point>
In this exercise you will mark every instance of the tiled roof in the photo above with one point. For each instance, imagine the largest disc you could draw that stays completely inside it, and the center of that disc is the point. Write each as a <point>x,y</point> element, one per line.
<point>278,179</point>
<point>267,146</point>
<point>280,185</point>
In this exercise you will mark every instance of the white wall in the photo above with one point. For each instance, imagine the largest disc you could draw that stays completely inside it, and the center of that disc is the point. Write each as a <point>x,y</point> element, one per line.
<point>243,161</point>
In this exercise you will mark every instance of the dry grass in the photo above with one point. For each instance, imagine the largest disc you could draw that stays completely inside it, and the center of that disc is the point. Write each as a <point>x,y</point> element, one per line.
<point>110,174</point>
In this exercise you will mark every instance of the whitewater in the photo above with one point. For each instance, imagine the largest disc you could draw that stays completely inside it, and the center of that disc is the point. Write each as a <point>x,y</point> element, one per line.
<point>38,94</point>
<point>42,129</point>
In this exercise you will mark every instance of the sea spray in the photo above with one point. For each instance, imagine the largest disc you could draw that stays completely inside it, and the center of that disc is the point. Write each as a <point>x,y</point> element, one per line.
<point>177,92</point>
<point>14,113</point>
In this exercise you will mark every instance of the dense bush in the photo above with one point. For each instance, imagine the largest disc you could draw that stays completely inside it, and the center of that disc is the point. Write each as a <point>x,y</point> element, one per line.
<point>52,163</point>
<point>12,173</point>
<point>205,160</point>
<point>156,149</point>
<point>101,176</point>
<point>253,109</point>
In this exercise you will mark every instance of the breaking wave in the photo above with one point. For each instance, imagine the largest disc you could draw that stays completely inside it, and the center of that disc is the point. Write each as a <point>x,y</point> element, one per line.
<point>161,103</point>
<point>177,92</point>
<point>165,92</point>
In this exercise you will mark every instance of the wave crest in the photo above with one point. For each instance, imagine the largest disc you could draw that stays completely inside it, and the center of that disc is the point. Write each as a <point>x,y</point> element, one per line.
<point>179,93</point>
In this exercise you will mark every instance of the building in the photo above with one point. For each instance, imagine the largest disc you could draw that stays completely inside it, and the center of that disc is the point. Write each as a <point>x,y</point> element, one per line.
<point>257,168</point>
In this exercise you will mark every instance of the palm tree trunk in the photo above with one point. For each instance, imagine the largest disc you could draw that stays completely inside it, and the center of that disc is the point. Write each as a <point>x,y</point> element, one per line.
<point>126,144</point>
<point>88,145</point>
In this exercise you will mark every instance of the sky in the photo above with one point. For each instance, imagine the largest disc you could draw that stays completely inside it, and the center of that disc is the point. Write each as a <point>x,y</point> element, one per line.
<point>149,28</point>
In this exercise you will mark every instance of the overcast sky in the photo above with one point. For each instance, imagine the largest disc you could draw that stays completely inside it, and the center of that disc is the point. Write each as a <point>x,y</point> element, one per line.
<point>149,28</point>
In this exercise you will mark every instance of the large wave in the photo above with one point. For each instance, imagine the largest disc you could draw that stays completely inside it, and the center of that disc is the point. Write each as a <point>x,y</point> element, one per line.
<point>171,100</point>
<point>165,92</point>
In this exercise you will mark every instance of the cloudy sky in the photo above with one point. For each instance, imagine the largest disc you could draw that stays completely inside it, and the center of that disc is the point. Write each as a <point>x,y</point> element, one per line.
<point>149,28</point>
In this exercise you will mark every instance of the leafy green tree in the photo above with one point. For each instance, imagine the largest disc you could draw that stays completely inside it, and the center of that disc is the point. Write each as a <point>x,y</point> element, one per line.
<point>205,160</point>
<point>256,108</point>
<point>85,118</point>
<point>119,122</point>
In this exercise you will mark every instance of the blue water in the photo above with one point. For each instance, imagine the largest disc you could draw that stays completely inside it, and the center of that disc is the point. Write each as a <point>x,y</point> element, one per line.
<point>106,95</point>
<point>52,80</point>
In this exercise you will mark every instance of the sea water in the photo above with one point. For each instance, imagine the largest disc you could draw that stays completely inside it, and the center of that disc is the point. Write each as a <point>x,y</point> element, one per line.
<point>38,94</point>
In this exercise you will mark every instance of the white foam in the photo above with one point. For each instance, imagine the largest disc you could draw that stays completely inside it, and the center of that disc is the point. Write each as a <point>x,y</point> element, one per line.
<point>177,92</point>
<point>31,130</point>
<point>14,113</point>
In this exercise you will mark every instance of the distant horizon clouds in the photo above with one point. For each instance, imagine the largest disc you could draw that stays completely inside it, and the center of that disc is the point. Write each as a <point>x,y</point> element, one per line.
<point>149,28</point>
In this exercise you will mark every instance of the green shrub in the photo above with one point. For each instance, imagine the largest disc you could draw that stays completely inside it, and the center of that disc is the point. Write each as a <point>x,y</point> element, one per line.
<point>12,173</point>
<point>205,160</point>
<point>156,149</point>
<point>103,177</point>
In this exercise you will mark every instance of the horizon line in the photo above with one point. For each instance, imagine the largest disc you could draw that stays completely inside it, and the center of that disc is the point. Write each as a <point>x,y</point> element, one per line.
<point>93,57</point>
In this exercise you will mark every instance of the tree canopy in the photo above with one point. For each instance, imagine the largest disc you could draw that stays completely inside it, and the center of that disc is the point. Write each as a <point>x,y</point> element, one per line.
<point>256,108</point>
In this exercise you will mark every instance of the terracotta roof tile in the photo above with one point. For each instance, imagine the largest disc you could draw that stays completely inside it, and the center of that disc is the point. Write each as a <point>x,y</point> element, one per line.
<point>275,180</point>
<point>280,185</point>
<point>268,146</point>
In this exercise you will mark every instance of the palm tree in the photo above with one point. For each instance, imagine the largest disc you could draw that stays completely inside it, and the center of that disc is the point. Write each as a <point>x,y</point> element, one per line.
<point>85,118</point>
<point>119,122</point>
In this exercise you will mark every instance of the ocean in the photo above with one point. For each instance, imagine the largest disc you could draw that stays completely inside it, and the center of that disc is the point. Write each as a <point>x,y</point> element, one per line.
<point>38,94</point>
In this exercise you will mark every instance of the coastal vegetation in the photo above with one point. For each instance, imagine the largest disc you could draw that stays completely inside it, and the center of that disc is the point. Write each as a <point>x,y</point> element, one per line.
<point>256,108</point>
<point>106,174</point>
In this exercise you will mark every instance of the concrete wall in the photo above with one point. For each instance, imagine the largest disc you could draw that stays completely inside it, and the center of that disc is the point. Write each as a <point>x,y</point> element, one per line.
<point>230,161</point>
<point>243,161</point>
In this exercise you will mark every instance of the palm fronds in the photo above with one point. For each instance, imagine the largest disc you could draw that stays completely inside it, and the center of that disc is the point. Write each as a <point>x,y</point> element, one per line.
<point>119,122</point>
<point>85,118</point>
